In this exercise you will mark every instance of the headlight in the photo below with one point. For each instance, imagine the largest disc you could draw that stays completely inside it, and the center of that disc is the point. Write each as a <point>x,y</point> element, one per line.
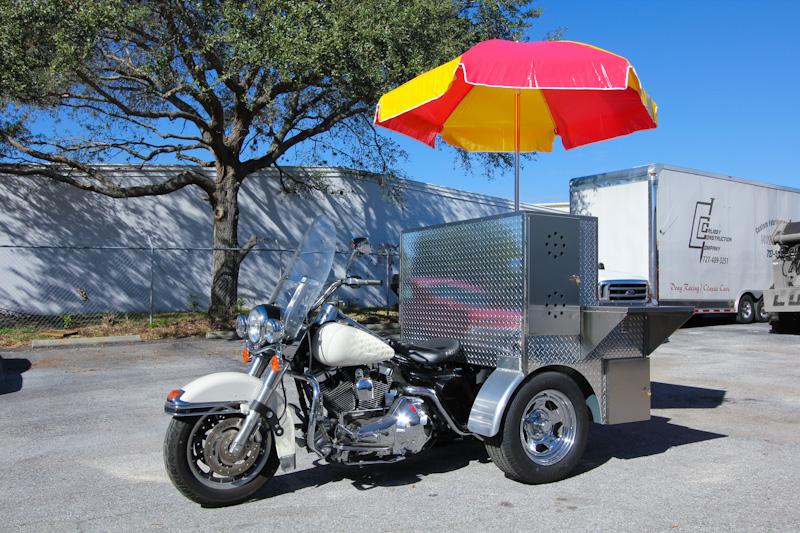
<point>254,323</point>
<point>261,329</point>
<point>241,326</point>
<point>273,331</point>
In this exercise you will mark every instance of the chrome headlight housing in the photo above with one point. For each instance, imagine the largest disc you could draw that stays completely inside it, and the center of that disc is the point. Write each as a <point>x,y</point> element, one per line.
<point>272,331</point>
<point>241,326</point>
<point>261,329</point>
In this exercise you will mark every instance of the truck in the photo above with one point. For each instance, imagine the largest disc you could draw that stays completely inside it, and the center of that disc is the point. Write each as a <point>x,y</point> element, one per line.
<point>696,238</point>
<point>782,298</point>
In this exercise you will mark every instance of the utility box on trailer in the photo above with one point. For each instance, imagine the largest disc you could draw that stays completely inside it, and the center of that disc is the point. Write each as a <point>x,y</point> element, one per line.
<point>519,291</point>
<point>700,239</point>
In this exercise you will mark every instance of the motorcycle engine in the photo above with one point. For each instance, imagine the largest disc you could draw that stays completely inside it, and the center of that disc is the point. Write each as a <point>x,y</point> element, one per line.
<point>355,389</point>
<point>373,420</point>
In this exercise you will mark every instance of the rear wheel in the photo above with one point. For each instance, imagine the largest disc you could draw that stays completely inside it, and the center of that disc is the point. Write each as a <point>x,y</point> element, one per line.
<point>747,310</point>
<point>761,315</point>
<point>544,431</point>
<point>199,465</point>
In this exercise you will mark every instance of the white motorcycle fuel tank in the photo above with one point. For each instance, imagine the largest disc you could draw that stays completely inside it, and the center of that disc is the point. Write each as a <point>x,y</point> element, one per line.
<point>338,344</point>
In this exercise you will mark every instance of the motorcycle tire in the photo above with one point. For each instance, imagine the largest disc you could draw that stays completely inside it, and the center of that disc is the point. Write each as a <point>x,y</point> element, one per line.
<point>544,431</point>
<point>195,459</point>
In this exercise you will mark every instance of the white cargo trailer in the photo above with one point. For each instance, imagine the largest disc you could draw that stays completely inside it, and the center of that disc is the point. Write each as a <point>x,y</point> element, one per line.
<point>699,238</point>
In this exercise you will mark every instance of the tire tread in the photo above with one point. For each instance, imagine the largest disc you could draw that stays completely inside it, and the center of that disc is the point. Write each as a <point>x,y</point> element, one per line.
<point>175,442</point>
<point>505,450</point>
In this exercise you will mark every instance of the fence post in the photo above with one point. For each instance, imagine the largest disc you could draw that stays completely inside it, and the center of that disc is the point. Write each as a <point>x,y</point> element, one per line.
<point>152,254</point>
<point>388,281</point>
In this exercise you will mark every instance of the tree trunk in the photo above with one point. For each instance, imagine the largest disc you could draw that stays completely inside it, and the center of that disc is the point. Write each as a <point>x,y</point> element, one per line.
<point>226,256</point>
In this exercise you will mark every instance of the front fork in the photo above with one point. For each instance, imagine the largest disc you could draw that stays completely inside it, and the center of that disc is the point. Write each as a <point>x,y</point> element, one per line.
<point>258,408</point>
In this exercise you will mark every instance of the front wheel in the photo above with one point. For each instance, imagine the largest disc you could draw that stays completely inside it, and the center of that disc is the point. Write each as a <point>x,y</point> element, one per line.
<point>198,463</point>
<point>544,431</point>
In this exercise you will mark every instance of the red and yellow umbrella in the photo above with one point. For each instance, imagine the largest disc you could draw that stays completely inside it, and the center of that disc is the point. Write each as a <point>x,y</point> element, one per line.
<point>506,96</point>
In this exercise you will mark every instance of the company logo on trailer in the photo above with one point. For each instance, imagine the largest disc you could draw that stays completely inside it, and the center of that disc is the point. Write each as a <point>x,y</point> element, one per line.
<point>706,237</point>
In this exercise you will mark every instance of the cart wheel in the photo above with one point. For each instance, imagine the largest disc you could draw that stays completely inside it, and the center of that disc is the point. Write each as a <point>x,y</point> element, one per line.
<point>747,310</point>
<point>544,431</point>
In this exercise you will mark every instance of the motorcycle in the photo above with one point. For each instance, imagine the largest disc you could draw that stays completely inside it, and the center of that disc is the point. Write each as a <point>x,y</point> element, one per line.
<point>362,399</point>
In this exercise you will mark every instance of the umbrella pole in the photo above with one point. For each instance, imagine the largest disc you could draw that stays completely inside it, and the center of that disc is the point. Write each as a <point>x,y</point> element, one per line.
<point>516,149</point>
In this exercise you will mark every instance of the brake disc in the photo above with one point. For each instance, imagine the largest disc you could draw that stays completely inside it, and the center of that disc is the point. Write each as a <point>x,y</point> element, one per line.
<point>217,456</point>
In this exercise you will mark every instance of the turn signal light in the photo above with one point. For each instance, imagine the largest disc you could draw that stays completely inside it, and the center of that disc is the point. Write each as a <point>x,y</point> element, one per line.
<point>275,363</point>
<point>246,356</point>
<point>174,394</point>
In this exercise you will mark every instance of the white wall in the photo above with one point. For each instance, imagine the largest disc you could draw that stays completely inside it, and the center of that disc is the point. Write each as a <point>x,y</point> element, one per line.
<point>39,212</point>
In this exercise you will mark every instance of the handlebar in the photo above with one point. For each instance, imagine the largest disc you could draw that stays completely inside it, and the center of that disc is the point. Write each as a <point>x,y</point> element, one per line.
<point>358,282</point>
<point>353,283</point>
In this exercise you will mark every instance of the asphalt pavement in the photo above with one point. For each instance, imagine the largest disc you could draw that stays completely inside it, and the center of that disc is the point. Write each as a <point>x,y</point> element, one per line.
<point>81,431</point>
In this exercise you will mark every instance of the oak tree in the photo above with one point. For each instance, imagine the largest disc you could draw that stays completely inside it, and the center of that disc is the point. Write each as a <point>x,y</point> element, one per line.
<point>236,85</point>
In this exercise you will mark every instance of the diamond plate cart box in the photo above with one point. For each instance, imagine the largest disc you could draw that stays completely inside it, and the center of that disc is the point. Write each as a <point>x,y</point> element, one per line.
<point>519,291</point>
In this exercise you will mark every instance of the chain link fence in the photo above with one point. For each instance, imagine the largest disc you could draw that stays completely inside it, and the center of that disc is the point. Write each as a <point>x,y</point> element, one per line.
<point>71,286</point>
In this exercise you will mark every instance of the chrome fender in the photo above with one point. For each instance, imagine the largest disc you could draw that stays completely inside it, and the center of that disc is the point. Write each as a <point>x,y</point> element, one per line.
<point>232,392</point>
<point>490,404</point>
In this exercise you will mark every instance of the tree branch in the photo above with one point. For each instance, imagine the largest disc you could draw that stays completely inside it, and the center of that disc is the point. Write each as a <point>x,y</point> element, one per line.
<point>97,181</point>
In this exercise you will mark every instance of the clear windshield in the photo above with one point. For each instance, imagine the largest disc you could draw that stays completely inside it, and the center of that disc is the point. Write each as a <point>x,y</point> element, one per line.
<point>306,274</point>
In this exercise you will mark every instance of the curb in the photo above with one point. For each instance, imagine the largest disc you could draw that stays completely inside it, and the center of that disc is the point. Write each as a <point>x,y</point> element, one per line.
<point>225,335</point>
<point>85,341</point>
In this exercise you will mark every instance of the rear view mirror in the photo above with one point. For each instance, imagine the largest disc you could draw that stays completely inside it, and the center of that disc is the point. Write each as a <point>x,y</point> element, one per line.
<point>361,245</point>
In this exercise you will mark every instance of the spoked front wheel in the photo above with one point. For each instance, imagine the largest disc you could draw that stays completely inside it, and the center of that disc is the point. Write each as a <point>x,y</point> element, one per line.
<point>544,430</point>
<point>198,462</point>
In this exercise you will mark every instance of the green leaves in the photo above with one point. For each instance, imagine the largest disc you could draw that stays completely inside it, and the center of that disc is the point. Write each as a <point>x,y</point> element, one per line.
<point>244,81</point>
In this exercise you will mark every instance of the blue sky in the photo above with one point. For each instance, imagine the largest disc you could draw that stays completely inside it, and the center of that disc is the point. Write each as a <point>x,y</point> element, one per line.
<point>725,76</point>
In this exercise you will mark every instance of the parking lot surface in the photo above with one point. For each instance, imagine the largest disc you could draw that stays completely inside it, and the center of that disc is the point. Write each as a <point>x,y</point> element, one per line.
<point>82,430</point>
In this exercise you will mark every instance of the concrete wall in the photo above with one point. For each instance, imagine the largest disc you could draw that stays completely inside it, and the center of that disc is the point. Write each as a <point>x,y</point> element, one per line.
<point>39,212</point>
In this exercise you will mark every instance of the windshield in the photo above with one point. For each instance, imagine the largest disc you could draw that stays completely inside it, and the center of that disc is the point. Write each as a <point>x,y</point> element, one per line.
<point>303,281</point>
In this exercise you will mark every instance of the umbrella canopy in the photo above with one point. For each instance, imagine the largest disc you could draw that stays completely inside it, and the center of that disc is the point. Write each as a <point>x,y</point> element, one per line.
<point>506,96</point>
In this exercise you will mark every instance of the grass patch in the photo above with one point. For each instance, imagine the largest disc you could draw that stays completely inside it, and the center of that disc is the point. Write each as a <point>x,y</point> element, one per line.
<point>164,326</point>
<point>372,315</point>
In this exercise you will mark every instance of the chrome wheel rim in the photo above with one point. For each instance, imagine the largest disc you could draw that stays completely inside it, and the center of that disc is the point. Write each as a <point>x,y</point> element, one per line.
<point>747,310</point>
<point>548,427</point>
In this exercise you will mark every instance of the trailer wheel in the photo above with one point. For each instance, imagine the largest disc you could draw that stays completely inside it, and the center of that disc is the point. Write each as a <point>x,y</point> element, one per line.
<point>747,310</point>
<point>761,315</point>
<point>544,431</point>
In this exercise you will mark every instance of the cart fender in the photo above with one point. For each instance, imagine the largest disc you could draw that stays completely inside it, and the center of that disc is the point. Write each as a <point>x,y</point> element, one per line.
<point>224,389</point>
<point>490,404</point>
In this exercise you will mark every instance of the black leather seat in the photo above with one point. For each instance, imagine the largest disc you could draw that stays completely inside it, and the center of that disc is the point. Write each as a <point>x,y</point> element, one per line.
<point>432,351</point>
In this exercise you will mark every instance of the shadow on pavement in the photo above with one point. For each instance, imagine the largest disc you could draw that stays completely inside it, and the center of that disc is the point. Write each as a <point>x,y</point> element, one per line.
<point>701,321</point>
<point>637,439</point>
<point>621,441</point>
<point>11,371</point>
<point>441,458</point>
<point>671,396</point>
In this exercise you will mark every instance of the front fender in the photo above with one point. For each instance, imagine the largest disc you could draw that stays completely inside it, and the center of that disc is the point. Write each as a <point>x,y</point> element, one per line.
<point>232,392</point>
<point>228,387</point>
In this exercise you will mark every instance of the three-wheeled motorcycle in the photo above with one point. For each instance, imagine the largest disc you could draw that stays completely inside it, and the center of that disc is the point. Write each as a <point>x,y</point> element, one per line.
<point>502,339</point>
